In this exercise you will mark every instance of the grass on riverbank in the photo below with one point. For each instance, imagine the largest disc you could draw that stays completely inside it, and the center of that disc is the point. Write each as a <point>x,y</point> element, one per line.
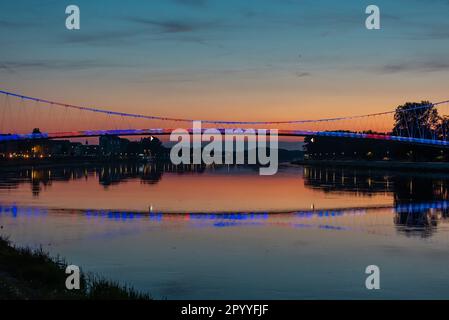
<point>33,274</point>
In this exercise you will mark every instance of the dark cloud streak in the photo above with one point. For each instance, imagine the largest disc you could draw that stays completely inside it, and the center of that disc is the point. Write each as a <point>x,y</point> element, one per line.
<point>14,66</point>
<point>417,66</point>
<point>4,24</point>
<point>145,28</point>
<point>193,3</point>
<point>302,74</point>
<point>100,38</point>
<point>175,26</point>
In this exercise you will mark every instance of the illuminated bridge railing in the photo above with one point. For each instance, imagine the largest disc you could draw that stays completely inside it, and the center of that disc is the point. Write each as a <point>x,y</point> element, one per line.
<point>160,131</point>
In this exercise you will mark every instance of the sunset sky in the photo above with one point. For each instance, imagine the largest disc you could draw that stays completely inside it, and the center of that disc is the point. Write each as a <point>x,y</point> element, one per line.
<point>231,60</point>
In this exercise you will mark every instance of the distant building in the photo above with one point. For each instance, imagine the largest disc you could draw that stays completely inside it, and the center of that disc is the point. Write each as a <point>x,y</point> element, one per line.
<point>113,146</point>
<point>108,147</point>
<point>57,148</point>
<point>81,150</point>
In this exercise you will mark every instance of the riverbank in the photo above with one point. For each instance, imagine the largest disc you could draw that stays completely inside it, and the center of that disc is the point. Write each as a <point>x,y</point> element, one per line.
<point>27,274</point>
<point>397,165</point>
<point>55,163</point>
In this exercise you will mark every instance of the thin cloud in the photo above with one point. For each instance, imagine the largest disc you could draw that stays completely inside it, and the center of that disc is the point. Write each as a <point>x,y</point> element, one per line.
<point>303,74</point>
<point>432,33</point>
<point>100,38</point>
<point>426,66</point>
<point>169,30</point>
<point>5,24</point>
<point>14,66</point>
<point>175,26</point>
<point>193,3</point>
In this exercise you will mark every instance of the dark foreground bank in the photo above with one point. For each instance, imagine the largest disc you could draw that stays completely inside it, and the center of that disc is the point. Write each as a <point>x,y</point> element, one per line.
<point>27,274</point>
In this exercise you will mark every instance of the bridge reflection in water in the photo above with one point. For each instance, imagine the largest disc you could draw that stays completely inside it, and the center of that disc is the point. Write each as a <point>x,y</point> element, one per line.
<point>420,200</point>
<point>414,219</point>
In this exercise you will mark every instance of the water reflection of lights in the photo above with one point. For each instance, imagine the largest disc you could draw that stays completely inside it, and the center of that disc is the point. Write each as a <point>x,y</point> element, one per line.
<point>15,211</point>
<point>420,207</point>
<point>223,219</point>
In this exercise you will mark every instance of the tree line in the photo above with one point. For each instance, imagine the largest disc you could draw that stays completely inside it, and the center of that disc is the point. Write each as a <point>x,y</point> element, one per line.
<point>412,119</point>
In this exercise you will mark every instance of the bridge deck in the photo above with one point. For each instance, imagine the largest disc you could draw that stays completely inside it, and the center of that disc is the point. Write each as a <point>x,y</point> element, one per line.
<point>229,131</point>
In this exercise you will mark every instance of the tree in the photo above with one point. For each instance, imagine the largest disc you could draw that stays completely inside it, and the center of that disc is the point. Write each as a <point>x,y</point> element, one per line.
<point>152,145</point>
<point>417,120</point>
<point>443,128</point>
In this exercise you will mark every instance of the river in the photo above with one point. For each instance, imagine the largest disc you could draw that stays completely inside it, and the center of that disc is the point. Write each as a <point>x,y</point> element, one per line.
<point>227,233</point>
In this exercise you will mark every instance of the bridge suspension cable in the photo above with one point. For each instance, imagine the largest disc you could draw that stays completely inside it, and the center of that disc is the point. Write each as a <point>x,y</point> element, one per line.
<point>162,118</point>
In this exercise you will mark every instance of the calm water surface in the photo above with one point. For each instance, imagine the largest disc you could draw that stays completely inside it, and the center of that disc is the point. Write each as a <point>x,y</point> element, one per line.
<point>228,233</point>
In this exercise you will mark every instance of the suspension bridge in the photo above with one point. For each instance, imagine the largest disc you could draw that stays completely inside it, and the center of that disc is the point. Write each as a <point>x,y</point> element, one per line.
<point>20,114</point>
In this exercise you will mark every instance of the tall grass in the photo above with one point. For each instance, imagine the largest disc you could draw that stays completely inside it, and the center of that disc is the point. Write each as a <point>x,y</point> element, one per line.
<point>32,274</point>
